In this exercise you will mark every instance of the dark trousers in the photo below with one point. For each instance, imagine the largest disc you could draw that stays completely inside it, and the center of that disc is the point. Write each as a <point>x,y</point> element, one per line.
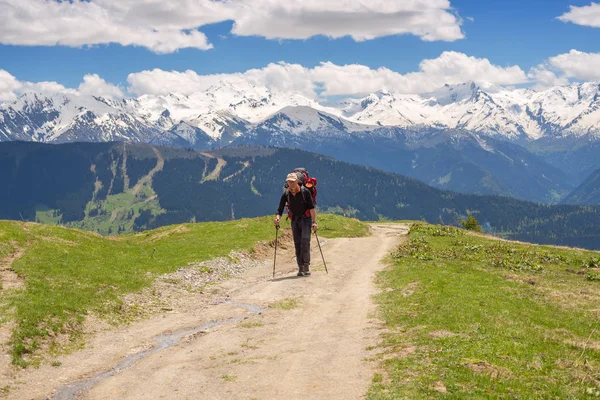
<point>301,230</point>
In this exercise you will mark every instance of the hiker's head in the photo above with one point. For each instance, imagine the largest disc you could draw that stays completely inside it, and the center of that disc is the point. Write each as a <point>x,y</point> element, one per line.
<point>292,181</point>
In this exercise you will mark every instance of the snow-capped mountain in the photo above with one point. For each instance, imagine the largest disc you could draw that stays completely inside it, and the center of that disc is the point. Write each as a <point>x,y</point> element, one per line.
<point>184,135</point>
<point>519,114</point>
<point>300,120</point>
<point>228,111</point>
<point>224,112</point>
<point>224,104</point>
<point>295,126</point>
<point>221,125</point>
<point>69,117</point>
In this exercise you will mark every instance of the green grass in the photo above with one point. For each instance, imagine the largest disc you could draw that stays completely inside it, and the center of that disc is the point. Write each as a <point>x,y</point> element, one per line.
<point>286,304</point>
<point>229,378</point>
<point>45,215</point>
<point>471,317</point>
<point>251,324</point>
<point>332,226</point>
<point>70,273</point>
<point>117,211</point>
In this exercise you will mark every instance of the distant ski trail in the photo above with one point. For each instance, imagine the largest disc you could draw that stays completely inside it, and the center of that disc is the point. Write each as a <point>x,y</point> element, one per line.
<point>160,163</point>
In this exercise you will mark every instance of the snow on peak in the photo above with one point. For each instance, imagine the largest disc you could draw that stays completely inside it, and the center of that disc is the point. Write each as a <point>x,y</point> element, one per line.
<point>305,119</point>
<point>229,108</point>
<point>510,114</point>
<point>454,93</point>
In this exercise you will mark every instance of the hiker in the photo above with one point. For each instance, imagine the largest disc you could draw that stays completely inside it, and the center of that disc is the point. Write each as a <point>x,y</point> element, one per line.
<point>303,215</point>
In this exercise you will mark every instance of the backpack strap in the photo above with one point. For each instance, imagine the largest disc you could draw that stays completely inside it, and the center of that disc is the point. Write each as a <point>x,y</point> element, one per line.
<point>286,192</point>
<point>306,192</point>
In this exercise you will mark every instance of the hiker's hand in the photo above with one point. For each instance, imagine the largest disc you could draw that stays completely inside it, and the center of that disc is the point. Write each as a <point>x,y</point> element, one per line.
<point>277,221</point>
<point>314,226</point>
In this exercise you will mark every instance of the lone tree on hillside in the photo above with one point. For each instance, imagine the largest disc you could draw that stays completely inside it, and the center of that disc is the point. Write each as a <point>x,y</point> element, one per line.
<point>471,224</point>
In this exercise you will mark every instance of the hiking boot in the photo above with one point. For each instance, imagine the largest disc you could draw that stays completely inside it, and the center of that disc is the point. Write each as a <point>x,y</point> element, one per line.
<point>305,270</point>
<point>300,271</point>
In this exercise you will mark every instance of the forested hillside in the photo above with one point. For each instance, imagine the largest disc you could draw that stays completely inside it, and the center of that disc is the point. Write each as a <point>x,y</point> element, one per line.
<point>119,187</point>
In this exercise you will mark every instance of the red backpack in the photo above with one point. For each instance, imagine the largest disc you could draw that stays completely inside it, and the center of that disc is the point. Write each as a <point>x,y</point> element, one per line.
<point>303,180</point>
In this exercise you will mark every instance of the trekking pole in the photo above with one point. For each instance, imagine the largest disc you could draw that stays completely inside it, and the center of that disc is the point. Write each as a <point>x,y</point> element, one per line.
<point>275,259</point>
<point>323,257</point>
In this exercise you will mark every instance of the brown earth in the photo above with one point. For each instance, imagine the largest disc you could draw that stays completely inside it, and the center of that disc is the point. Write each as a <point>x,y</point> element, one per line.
<point>8,278</point>
<point>309,340</point>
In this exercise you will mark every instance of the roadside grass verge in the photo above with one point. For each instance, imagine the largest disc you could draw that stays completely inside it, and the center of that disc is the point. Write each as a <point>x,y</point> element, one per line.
<point>334,226</point>
<point>69,273</point>
<point>472,317</point>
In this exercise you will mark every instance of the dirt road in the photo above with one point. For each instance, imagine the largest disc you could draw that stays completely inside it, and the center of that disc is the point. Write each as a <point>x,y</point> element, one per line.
<point>256,338</point>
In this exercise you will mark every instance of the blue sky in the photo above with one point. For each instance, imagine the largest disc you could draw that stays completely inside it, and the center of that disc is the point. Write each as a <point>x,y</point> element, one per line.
<point>521,33</point>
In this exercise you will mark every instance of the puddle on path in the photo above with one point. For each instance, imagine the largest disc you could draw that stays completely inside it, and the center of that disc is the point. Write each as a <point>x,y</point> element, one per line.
<point>70,391</point>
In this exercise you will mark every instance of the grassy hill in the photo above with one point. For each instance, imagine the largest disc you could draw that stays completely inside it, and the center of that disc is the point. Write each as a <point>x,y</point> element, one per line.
<point>472,317</point>
<point>68,274</point>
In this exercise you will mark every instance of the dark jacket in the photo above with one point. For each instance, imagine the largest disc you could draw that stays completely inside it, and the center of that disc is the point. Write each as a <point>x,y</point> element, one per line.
<point>298,204</point>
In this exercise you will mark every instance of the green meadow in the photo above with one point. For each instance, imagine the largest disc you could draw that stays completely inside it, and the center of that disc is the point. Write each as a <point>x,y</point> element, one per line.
<point>469,317</point>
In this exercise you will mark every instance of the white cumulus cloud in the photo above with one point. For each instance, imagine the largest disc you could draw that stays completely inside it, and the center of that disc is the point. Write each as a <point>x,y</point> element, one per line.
<point>158,81</point>
<point>282,77</point>
<point>78,23</point>
<point>45,88</point>
<point>329,79</point>
<point>94,85</point>
<point>164,27</point>
<point>543,77</point>
<point>577,64</point>
<point>585,15</point>
<point>360,19</point>
<point>332,79</point>
<point>8,85</point>
<point>449,68</point>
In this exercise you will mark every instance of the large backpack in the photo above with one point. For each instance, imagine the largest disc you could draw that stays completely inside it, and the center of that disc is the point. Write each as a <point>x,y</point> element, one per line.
<point>308,182</point>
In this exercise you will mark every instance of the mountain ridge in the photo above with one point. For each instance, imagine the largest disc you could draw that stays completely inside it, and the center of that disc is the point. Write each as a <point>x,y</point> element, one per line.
<point>515,115</point>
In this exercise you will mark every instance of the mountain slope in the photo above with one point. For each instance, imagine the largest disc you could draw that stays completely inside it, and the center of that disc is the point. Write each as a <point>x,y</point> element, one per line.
<point>586,193</point>
<point>90,185</point>
<point>454,160</point>
<point>184,135</point>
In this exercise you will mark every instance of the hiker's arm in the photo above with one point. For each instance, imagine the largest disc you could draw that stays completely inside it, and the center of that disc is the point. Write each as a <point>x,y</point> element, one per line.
<point>313,216</point>
<point>280,209</point>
